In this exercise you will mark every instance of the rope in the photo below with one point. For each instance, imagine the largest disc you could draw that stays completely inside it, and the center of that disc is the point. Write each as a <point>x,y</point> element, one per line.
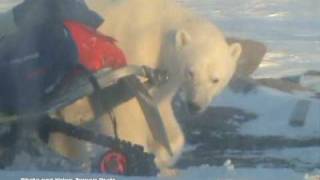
<point>114,124</point>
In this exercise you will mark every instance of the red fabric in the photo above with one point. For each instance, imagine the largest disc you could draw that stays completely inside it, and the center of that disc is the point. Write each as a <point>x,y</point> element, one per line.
<point>96,51</point>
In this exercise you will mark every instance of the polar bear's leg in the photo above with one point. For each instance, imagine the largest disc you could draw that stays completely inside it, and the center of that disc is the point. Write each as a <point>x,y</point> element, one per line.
<point>130,123</point>
<point>163,159</point>
<point>70,147</point>
<point>76,114</point>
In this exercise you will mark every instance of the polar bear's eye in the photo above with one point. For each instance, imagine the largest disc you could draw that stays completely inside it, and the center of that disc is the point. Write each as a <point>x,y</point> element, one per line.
<point>215,80</point>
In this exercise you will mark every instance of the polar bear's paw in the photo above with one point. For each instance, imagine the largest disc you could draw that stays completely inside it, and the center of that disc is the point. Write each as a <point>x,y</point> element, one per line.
<point>169,172</point>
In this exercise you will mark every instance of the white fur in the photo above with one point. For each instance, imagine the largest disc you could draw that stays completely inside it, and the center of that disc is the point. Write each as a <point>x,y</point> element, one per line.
<point>163,34</point>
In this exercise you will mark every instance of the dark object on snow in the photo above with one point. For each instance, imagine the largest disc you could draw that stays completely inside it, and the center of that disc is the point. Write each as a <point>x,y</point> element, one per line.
<point>299,113</point>
<point>32,13</point>
<point>251,55</point>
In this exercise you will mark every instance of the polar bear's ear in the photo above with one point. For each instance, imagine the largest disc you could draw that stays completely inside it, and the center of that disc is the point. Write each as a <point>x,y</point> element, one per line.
<point>182,38</point>
<point>235,51</point>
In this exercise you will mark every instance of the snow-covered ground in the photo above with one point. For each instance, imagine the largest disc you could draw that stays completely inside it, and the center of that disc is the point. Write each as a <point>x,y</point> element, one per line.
<point>203,173</point>
<point>291,31</point>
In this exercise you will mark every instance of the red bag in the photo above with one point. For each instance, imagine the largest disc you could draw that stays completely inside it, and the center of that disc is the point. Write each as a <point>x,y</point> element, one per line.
<point>96,51</point>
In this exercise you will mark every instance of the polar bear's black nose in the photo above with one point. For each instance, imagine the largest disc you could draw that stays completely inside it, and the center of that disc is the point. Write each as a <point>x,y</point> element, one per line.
<point>193,107</point>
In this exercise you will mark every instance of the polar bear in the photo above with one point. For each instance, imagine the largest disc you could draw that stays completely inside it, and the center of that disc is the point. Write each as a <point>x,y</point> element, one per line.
<point>163,34</point>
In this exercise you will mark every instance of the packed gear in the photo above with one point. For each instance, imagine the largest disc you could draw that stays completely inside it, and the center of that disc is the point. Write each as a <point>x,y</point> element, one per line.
<point>50,63</point>
<point>32,63</point>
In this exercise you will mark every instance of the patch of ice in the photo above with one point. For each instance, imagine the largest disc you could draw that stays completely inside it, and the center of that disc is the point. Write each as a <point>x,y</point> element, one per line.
<point>269,64</point>
<point>309,155</point>
<point>228,164</point>
<point>275,54</point>
<point>274,109</point>
<point>189,147</point>
<point>203,173</point>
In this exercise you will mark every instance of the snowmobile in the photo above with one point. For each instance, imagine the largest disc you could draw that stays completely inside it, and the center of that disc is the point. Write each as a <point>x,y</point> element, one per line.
<point>37,81</point>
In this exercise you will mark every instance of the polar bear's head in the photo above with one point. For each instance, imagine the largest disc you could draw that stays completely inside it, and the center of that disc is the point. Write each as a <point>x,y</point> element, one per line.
<point>209,64</point>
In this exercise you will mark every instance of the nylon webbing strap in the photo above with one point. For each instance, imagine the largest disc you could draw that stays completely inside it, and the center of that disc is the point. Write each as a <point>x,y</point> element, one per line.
<point>148,106</point>
<point>151,112</point>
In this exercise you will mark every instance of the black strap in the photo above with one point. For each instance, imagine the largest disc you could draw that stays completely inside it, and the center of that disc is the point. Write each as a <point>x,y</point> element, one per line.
<point>134,87</point>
